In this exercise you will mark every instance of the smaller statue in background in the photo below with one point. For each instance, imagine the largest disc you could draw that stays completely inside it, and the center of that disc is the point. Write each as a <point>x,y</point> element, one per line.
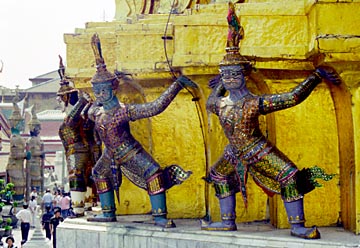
<point>34,166</point>
<point>15,167</point>
<point>82,147</point>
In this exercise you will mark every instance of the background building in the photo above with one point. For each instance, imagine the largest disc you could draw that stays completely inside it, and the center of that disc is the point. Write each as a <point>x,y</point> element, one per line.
<point>42,96</point>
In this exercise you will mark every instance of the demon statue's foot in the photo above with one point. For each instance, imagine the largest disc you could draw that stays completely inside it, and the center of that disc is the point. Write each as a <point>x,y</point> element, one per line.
<point>102,218</point>
<point>77,211</point>
<point>165,223</point>
<point>306,233</point>
<point>218,226</point>
<point>77,215</point>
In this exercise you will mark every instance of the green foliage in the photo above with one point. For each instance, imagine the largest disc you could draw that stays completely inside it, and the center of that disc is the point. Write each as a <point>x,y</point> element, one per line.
<point>6,224</point>
<point>6,191</point>
<point>9,186</point>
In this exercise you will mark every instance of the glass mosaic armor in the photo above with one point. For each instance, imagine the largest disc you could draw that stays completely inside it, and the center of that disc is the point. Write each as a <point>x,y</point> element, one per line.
<point>248,150</point>
<point>114,130</point>
<point>81,145</point>
<point>123,154</point>
<point>75,133</point>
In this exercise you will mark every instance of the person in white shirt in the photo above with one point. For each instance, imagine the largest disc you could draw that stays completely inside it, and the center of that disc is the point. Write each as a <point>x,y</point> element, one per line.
<point>57,197</point>
<point>24,216</point>
<point>33,210</point>
<point>47,199</point>
<point>34,193</point>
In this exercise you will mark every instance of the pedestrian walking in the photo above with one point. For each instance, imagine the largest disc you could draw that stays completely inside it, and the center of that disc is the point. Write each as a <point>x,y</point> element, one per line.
<point>47,199</point>
<point>45,221</point>
<point>34,193</point>
<point>24,215</point>
<point>56,199</point>
<point>33,210</point>
<point>54,222</point>
<point>10,242</point>
<point>65,204</point>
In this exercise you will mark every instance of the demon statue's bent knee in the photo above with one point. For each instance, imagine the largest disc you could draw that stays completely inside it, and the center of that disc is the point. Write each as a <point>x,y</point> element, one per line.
<point>249,151</point>
<point>123,154</point>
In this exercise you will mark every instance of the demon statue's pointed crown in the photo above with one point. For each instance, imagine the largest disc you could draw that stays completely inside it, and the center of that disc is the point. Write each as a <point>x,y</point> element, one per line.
<point>235,35</point>
<point>65,87</point>
<point>16,114</point>
<point>102,74</point>
<point>34,122</point>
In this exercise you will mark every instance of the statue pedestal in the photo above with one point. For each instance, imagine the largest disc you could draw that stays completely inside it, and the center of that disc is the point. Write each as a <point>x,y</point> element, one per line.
<point>139,231</point>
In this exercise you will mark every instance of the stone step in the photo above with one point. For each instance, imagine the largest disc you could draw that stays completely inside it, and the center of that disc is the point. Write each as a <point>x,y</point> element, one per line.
<point>139,231</point>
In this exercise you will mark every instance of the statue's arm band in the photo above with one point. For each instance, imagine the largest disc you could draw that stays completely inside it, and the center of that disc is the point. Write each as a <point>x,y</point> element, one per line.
<point>75,113</point>
<point>271,103</point>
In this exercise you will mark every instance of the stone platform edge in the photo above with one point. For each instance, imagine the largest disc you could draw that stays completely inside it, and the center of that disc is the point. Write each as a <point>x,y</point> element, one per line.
<point>139,231</point>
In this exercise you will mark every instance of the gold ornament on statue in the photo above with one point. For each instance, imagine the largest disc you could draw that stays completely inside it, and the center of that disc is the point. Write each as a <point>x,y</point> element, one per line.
<point>235,35</point>
<point>102,74</point>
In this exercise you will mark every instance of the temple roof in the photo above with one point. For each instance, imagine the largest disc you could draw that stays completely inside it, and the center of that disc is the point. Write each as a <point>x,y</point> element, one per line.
<point>48,86</point>
<point>51,114</point>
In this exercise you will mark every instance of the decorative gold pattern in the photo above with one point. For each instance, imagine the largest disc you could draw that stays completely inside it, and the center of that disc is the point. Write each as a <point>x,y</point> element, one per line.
<point>159,212</point>
<point>228,216</point>
<point>103,185</point>
<point>155,184</point>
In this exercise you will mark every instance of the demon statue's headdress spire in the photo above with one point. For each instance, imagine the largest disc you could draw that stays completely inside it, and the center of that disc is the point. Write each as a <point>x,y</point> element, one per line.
<point>65,87</point>
<point>102,74</point>
<point>34,122</point>
<point>235,35</point>
<point>65,91</point>
<point>16,115</point>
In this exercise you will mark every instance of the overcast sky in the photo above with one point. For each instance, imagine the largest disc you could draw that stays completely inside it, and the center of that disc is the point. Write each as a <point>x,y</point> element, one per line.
<point>31,34</point>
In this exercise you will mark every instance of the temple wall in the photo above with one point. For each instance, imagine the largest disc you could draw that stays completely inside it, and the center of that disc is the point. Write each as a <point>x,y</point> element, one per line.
<point>284,39</point>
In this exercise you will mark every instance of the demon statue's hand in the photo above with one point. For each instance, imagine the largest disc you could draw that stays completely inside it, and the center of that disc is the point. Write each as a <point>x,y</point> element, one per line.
<point>215,81</point>
<point>328,73</point>
<point>186,82</point>
<point>85,95</point>
<point>28,155</point>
